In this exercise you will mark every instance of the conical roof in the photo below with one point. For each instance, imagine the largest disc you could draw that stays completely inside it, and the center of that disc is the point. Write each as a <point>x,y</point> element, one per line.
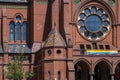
<point>54,39</point>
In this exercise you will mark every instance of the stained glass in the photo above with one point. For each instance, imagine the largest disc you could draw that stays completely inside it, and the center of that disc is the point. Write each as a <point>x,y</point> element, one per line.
<point>18,31</point>
<point>93,23</point>
<point>82,15</point>
<point>87,11</point>
<point>100,11</point>
<point>80,22</point>
<point>24,30</point>
<point>12,30</point>
<point>82,29</point>
<point>106,23</point>
<point>104,16</point>
<point>18,18</point>
<point>93,9</point>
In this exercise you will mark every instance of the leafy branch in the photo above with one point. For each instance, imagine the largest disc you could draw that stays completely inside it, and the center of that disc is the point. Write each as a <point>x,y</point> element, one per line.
<point>15,69</point>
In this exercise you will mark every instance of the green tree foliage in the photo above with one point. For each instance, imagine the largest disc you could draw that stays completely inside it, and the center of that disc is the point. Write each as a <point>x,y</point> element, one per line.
<point>76,1</point>
<point>15,69</point>
<point>111,2</point>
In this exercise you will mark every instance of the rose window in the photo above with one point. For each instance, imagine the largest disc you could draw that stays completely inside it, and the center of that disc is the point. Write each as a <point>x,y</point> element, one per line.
<point>93,23</point>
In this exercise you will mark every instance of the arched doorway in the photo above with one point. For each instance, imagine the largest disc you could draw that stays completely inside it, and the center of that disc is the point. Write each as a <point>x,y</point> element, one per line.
<point>117,72</point>
<point>82,71</point>
<point>102,71</point>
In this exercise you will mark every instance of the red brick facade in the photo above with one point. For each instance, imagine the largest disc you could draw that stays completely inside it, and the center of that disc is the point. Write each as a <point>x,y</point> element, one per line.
<point>56,43</point>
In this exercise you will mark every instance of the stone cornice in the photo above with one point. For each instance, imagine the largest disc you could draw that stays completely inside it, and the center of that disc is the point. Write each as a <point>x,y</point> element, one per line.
<point>13,6</point>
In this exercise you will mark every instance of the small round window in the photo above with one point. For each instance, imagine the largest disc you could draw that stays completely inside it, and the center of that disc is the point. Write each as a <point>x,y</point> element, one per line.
<point>58,51</point>
<point>93,23</point>
<point>49,52</point>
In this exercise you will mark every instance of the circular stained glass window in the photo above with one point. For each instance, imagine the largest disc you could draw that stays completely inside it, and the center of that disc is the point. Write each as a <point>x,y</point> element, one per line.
<point>93,23</point>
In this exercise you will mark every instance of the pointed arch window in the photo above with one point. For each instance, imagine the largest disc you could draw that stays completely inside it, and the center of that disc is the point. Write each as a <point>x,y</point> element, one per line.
<point>59,75</point>
<point>18,29</point>
<point>49,75</point>
<point>18,18</point>
<point>24,30</point>
<point>12,25</point>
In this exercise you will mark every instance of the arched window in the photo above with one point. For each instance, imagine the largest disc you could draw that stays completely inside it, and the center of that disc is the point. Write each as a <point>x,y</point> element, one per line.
<point>24,30</point>
<point>12,25</point>
<point>18,18</point>
<point>59,75</point>
<point>49,75</point>
<point>18,29</point>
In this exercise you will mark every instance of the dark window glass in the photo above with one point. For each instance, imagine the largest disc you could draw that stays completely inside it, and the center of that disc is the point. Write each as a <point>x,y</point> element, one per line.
<point>97,73</point>
<point>82,49</point>
<point>99,34</point>
<point>94,35</point>
<point>94,45</point>
<point>88,47</point>
<point>49,52</point>
<point>24,31</point>
<point>49,75</point>
<point>87,33</point>
<point>82,46</point>
<point>58,51</point>
<point>78,73</point>
<point>107,46</point>
<point>101,47</point>
<point>12,30</point>
<point>18,31</point>
<point>59,75</point>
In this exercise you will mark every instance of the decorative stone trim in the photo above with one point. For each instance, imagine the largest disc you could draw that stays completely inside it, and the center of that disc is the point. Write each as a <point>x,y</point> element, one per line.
<point>18,7</point>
